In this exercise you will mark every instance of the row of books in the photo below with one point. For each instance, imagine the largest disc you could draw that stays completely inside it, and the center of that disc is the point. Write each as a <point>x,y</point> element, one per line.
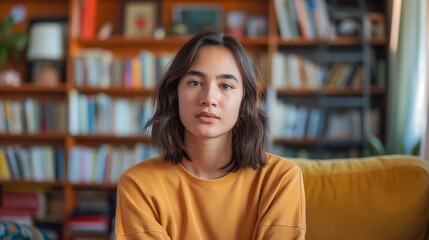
<point>36,163</point>
<point>293,121</point>
<point>32,116</point>
<point>344,125</point>
<point>344,75</point>
<point>83,16</point>
<point>294,71</point>
<point>23,205</point>
<point>104,164</point>
<point>93,212</point>
<point>311,19</point>
<point>303,18</point>
<point>104,114</point>
<point>46,163</point>
<point>97,223</point>
<point>101,68</point>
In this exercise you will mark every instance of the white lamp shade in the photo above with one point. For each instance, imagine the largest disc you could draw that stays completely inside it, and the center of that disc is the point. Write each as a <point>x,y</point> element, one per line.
<point>46,42</point>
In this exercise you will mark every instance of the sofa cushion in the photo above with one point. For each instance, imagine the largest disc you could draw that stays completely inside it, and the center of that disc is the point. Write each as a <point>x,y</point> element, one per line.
<point>383,197</point>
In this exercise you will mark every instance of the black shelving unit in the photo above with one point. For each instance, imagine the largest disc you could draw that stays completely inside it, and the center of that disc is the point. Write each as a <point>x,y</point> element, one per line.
<point>361,54</point>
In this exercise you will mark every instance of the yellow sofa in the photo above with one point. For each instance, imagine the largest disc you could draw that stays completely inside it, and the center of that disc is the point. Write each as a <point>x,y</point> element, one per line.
<point>384,197</point>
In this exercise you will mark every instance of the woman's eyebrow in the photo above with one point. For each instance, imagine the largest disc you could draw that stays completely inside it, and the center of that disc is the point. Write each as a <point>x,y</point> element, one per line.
<point>195,73</point>
<point>227,76</point>
<point>203,75</point>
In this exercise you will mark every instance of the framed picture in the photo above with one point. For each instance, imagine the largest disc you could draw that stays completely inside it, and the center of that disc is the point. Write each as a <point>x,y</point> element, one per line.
<point>198,17</point>
<point>140,17</point>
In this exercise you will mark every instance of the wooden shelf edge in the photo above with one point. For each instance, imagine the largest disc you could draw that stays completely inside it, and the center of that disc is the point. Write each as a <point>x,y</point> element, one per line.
<point>339,41</point>
<point>110,138</point>
<point>29,88</point>
<point>35,185</point>
<point>45,185</point>
<point>116,91</point>
<point>329,91</point>
<point>121,40</point>
<point>260,40</point>
<point>37,136</point>
<point>100,186</point>
<point>169,40</point>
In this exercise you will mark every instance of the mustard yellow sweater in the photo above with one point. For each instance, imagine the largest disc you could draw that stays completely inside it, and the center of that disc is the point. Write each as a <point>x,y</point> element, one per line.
<point>159,200</point>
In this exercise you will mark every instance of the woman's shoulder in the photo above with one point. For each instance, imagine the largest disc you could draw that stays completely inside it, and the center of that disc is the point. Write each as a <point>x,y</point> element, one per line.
<point>280,164</point>
<point>148,167</point>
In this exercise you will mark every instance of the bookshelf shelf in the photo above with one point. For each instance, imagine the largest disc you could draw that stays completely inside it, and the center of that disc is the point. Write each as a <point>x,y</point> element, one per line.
<point>329,91</point>
<point>340,41</point>
<point>31,184</point>
<point>27,88</point>
<point>95,186</point>
<point>378,42</point>
<point>295,141</point>
<point>111,139</point>
<point>249,41</point>
<point>43,137</point>
<point>151,42</point>
<point>117,91</point>
<point>140,41</point>
<point>342,142</point>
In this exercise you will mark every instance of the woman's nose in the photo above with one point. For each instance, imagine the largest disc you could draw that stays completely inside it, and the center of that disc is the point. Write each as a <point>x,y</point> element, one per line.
<point>209,96</point>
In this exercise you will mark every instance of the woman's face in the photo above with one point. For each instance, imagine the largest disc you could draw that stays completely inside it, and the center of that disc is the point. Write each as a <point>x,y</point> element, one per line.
<point>210,93</point>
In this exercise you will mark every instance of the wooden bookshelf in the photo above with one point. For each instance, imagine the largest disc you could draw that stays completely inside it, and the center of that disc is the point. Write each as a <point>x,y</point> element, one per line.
<point>127,47</point>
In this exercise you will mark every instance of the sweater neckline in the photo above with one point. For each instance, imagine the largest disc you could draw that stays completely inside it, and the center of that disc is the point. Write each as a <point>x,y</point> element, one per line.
<point>207,183</point>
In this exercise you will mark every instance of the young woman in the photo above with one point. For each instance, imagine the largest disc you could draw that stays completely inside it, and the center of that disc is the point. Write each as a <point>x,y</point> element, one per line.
<point>214,179</point>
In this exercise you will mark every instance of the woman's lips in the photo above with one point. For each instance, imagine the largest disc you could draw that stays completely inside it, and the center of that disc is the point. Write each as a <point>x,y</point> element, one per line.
<point>207,116</point>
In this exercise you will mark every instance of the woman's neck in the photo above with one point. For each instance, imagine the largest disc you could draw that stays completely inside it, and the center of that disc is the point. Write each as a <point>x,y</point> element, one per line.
<point>208,156</point>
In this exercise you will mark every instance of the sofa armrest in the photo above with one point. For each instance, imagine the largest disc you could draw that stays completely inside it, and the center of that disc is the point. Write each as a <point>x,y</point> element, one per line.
<point>384,197</point>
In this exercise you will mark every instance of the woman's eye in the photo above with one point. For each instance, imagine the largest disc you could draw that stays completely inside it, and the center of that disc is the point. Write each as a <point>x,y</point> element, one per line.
<point>226,86</point>
<point>195,83</point>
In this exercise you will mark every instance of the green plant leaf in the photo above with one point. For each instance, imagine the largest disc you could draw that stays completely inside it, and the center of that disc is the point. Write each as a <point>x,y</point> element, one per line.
<point>6,27</point>
<point>16,55</point>
<point>3,56</point>
<point>18,41</point>
<point>416,149</point>
<point>376,146</point>
<point>10,42</point>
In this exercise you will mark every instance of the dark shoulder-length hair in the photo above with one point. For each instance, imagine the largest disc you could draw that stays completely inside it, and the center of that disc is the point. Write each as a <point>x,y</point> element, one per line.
<point>250,133</point>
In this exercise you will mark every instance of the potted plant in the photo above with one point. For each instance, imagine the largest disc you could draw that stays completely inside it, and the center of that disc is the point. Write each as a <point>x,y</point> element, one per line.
<point>12,44</point>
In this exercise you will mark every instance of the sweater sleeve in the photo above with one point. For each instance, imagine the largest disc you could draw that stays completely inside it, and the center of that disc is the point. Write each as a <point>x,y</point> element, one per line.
<point>282,210</point>
<point>136,217</point>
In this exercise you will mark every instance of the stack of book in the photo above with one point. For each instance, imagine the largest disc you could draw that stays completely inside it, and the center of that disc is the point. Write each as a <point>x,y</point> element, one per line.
<point>93,212</point>
<point>23,207</point>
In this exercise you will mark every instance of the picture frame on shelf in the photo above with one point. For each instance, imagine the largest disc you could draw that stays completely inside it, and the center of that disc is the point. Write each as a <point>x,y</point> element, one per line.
<point>140,17</point>
<point>196,17</point>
